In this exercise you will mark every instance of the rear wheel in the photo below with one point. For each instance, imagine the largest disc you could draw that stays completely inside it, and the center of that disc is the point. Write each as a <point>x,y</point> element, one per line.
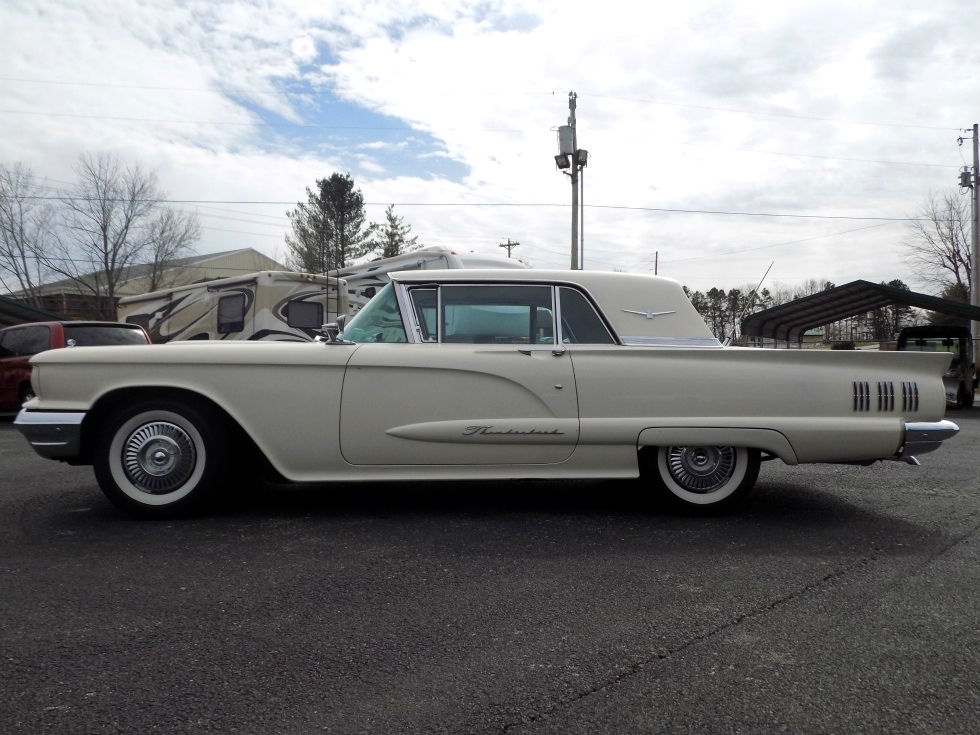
<point>704,479</point>
<point>156,462</point>
<point>962,399</point>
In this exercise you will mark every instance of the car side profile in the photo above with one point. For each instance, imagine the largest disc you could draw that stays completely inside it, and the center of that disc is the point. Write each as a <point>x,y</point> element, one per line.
<point>18,344</point>
<point>482,374</point>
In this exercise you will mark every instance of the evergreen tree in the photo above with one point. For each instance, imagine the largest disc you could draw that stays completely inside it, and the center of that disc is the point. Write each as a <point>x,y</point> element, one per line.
<point>329,229</point>
<point>393,236</point>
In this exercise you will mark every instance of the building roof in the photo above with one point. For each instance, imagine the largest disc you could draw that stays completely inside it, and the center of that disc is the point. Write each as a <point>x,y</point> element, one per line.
<point>789,321</point>
<point>134,278</point>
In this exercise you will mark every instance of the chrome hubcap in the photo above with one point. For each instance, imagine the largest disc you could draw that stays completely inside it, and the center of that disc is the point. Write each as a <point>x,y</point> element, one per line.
<point>158,457</point>
<point>701,469</point>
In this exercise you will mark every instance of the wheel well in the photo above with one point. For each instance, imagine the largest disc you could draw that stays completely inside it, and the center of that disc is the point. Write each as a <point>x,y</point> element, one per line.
<point>646,457</point>
<point>112,402</point>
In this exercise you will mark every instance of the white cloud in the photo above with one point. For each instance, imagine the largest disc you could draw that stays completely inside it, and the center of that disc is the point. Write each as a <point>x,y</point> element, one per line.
<point>703,106</point>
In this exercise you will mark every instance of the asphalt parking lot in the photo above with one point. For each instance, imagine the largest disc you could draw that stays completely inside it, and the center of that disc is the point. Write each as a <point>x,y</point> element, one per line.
<point>840,600</point>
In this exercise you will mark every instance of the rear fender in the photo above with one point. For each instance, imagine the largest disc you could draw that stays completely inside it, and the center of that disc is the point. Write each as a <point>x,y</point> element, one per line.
<point>772,442</point>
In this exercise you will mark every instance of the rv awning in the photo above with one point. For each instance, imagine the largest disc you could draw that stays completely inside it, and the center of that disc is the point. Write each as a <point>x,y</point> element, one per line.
<point>790,321</point>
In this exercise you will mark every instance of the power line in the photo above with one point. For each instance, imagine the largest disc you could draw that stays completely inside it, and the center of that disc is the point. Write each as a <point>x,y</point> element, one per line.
<point>776,245</point>
<point>619,207</point>
<point>711,108</point>
<point>766,113</point>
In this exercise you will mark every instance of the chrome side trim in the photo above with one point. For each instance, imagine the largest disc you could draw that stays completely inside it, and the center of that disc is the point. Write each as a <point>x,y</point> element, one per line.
<point>922,437</point>
<point>699,342</point>
<point>53,435</point>
<point>862,396</point>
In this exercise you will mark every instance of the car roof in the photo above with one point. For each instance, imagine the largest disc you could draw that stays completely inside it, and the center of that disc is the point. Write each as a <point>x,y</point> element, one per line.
<point>73,323</point>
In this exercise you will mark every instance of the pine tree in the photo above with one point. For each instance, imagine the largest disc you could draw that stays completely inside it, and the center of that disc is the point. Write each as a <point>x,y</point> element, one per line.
<point>393,236</point>
<point>329,229</point>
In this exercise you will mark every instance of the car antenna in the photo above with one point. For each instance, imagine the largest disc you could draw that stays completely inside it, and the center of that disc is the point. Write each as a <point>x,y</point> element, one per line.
<point>749,302</point>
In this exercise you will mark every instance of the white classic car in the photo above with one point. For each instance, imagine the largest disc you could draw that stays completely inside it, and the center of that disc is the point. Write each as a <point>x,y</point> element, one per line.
<point>481,374</point>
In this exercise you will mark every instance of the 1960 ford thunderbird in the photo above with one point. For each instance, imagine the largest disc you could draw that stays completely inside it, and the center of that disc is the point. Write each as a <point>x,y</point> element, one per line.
<point>482,374</point>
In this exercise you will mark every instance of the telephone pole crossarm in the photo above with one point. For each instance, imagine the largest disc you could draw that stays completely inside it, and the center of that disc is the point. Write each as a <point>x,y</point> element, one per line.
<point>510,245</point>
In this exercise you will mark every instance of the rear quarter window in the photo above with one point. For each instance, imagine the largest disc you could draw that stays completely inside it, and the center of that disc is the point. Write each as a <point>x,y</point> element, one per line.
<point>95,335</point>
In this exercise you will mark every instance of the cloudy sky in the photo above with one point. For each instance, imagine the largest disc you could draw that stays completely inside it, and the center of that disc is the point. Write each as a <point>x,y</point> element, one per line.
<point>724,136</point>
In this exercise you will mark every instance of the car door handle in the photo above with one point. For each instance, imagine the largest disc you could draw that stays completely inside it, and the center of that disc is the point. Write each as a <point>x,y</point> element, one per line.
<point>556,351</point>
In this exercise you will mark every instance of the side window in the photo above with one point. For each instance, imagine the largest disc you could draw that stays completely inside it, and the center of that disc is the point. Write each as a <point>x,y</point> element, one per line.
<point>379,320</point>
<point>579,322</point>
<point>308,314</point>
<point>515,314</point>
<point>231,313</point>
<point>26,341</point>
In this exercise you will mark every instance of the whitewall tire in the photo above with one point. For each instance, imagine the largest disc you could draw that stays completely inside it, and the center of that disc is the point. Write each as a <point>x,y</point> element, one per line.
<point>706,479</point>
<point>157,460</point>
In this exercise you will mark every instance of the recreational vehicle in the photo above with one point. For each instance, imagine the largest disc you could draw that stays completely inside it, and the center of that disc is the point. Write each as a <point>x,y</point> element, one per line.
<point>271,305</point>
<point>366,279</point>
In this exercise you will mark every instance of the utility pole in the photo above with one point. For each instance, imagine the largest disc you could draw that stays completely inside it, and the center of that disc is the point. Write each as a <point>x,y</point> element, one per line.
<point>571,157</point>
<point>509,245</point>
<point>973,182</point>
<point>572,98</point>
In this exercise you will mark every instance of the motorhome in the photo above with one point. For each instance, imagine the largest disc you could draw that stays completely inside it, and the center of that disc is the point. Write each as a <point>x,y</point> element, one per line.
<point>364,280</point>
<point>960,381</point>
<point>270,305</point>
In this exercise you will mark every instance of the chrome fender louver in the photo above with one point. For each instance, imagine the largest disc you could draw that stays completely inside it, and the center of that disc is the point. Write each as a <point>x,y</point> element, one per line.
<point>886,397</point>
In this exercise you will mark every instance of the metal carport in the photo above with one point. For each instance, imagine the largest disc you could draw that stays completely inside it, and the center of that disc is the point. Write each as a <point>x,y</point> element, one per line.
<point>14,312</point>
<point>790,321</point>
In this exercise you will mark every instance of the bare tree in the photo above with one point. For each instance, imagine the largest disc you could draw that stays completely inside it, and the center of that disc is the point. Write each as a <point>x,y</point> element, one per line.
<point>112,221</point>
<point>937,243</point>
<point>171,237</point>
<point>25,231</point>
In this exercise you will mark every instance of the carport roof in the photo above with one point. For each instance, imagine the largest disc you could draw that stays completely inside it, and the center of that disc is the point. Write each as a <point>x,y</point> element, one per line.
<point>790,321</point>
<point>14,312</point>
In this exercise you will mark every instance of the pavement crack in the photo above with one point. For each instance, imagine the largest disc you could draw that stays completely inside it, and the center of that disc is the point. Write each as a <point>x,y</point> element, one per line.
<point>662,656</point>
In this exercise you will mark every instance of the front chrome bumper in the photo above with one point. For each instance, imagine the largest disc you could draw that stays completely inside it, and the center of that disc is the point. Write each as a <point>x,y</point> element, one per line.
<point>54,435</point>
<point>922,437</point>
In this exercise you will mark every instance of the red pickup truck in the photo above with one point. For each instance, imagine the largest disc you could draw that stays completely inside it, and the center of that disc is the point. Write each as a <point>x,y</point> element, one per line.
<point>18,344</point>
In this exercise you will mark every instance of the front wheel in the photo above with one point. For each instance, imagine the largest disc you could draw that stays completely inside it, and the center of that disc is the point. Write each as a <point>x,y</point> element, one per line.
<point>704,480</point>
<point>161,462</point>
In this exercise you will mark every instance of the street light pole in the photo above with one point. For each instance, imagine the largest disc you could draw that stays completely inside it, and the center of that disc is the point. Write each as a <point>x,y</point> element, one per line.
<point>975,255</point>
<point>572,97</point>
<point>571,157</point>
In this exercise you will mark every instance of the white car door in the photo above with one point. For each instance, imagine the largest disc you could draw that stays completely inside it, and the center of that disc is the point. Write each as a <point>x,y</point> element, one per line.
<point>489,387</point>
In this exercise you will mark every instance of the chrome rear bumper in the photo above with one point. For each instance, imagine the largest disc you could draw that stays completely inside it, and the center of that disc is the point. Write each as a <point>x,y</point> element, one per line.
<point>54,435</point>
<point>922,437</point>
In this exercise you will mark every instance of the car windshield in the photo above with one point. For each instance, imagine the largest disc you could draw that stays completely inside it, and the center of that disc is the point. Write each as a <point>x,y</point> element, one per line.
<point>934,344</point>
<point>88,335</point>
<point>379,321</point>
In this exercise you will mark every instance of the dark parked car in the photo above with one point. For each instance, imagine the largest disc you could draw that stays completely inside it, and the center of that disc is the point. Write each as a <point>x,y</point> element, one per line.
<point>18,344</point>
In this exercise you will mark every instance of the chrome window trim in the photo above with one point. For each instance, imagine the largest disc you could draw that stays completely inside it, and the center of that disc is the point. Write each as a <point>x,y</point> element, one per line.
<point>598,312</point>
<point>409,317</point>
